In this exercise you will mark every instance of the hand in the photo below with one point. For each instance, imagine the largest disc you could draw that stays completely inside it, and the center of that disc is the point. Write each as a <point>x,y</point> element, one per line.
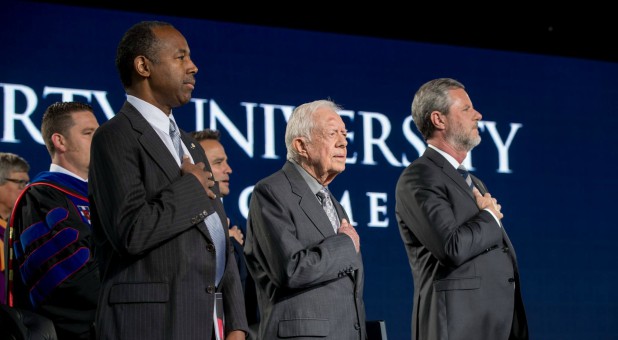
<point>488,202</point>
<point>197,170</point>
<point>236,233</point>
<point>235,335</point>
<point>348,229</point>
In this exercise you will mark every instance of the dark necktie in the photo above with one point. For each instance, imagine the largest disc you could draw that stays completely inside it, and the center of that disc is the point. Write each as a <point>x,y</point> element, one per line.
<point>329,208</point>
<point>175,135</point>
<point>466,175</point>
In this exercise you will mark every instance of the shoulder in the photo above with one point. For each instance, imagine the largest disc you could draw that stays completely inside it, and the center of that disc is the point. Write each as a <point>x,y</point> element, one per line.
<point>272,179</point>
<point>119,121</point>
<point>43,195</point>
<point>42,190</point>
<point>418,169</point>
<point>270,183</point>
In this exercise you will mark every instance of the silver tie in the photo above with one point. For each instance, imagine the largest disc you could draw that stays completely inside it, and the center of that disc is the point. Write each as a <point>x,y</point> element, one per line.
<point>175,135</point>
<point>215,228</point>
<point>329,208</point>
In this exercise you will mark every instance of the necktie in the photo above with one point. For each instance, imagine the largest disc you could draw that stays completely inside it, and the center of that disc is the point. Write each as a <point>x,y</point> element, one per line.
<point>215,228</point>
<point>329,208</point>
<point>466,175</point>
<point>175,135</point>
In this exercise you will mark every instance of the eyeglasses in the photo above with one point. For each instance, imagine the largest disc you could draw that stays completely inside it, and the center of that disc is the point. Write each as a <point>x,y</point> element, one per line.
<point>21,182</point>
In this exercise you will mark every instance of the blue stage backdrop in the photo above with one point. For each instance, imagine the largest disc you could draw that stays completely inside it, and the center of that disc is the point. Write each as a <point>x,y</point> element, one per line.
<point>547,151</point>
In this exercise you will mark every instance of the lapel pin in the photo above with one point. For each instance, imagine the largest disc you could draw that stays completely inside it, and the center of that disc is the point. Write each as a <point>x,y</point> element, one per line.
<point>192,146</point>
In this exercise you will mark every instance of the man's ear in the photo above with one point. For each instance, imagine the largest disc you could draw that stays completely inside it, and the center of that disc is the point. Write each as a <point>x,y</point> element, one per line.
<point>300,145</point>
<point>438,120</point>
<point>142,66</point>
<point>59,142</point>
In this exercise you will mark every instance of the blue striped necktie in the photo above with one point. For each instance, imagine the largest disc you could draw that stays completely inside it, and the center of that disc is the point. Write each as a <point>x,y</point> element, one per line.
<point>466,175</point>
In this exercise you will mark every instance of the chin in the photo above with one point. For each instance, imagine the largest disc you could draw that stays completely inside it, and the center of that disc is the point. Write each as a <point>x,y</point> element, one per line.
<point>338,169</point>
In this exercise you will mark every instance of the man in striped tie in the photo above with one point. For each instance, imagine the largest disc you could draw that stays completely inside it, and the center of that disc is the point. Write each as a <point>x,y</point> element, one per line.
<point>309,274</point>
<point>157,216</point>
<point>466,279</point>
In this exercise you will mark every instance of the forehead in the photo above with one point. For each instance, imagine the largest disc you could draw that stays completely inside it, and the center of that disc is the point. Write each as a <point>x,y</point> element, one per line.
<point>84,119</point>
<point>19,174</point>
<point>327,117</point>
<point>170,38</point>
<point>459,98</point>
<point>212,145</point>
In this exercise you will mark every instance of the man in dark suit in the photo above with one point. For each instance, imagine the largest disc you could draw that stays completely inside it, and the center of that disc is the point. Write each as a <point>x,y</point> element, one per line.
<point>308,268</point>
<point>157,216</point>
<point>210,140</point>
<point>466,280</point>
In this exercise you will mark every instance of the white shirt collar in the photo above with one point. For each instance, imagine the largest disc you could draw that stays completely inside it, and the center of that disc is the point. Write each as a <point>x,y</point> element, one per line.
<point>152,114</point>
<point>448,157</point>
<point>57,168</point>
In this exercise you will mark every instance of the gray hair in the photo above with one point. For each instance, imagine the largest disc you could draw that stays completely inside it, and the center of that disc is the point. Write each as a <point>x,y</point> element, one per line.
<point>302,122</point>
<point>10,162</point>
<point>432,96</point>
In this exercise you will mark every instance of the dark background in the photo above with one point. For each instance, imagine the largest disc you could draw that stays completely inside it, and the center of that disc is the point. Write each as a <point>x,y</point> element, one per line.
<point>579,30</point>
<point>559,198</point>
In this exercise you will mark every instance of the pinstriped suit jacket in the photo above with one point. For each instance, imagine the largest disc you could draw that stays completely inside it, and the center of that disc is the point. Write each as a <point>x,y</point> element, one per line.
<point>309,280</point>
<point>466,279</point>
<point>156,256</point>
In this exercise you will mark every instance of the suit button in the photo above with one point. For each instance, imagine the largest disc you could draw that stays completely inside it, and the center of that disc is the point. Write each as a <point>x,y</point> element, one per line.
<point>210,248</point>
<point>356,326</point>
<point>511,280</point>
<point>211,289</point>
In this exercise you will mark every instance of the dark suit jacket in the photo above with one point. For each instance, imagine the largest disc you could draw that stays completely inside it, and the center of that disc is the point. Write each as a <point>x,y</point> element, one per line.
<point>466,280</point>
<point>251,305</point>
<point>156,255</point>
<point>309,279</point>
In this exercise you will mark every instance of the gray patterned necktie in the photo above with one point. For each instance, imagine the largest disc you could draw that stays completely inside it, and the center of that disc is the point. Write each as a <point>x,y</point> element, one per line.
<point>329,208</point>
<point>215,229</point>
<point>466,175</point>
<point>175,135</point>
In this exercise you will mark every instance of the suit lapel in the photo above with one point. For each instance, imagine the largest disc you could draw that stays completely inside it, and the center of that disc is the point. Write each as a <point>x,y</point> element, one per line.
<point>478,184</point>
<point>199,155</point>
<point>340,211</point>
<point>448,170</point>
<point>151,142</point>
<point>190,144</point>
<point>154,146</point>
<point>308,202</point>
